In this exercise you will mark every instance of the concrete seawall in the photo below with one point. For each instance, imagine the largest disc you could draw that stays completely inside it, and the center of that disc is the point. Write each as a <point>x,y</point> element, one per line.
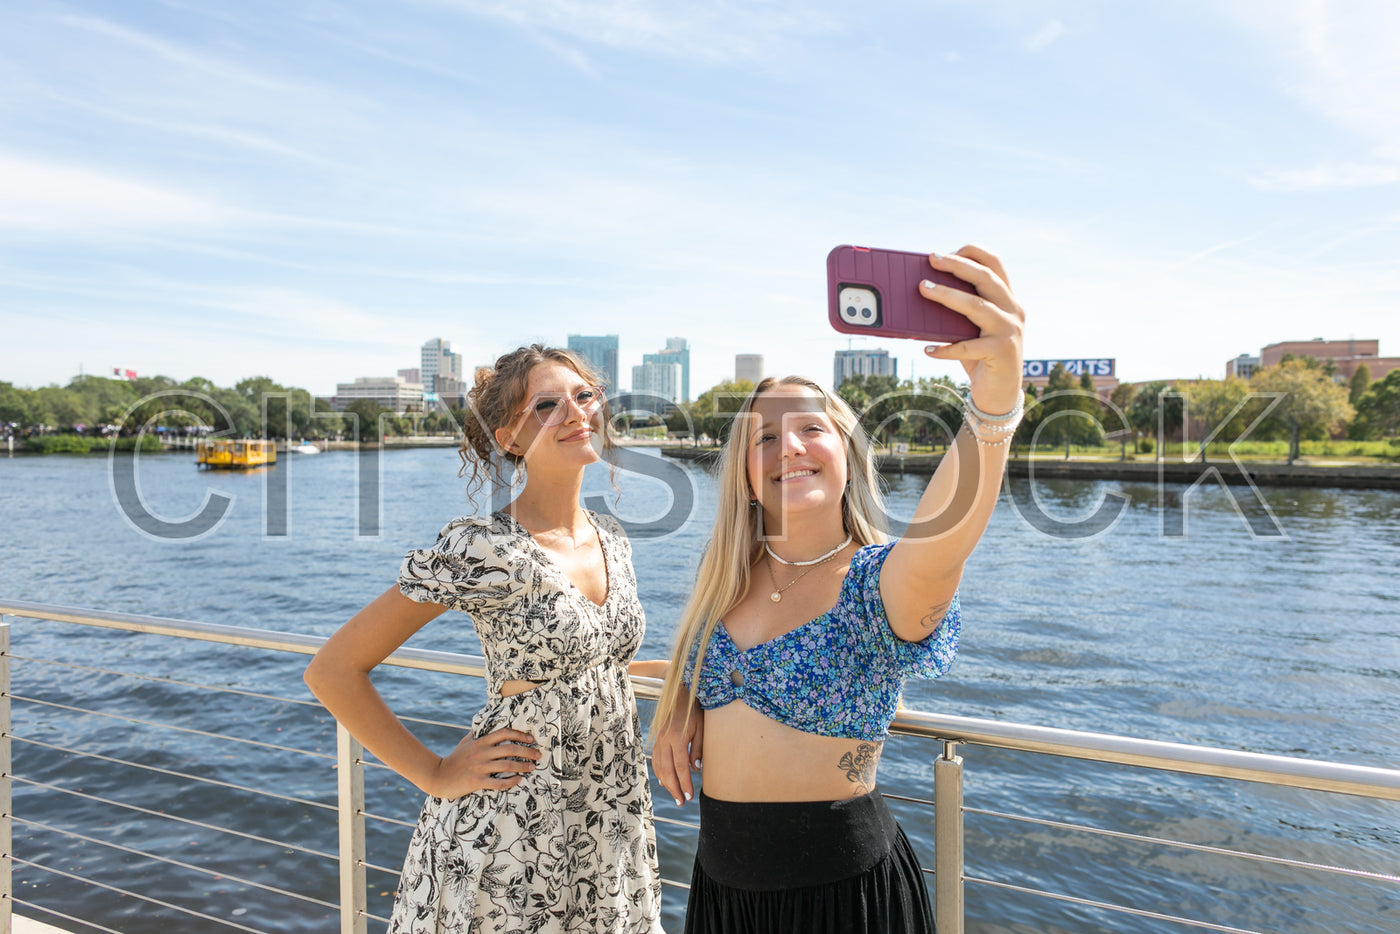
<point>1349,476</point>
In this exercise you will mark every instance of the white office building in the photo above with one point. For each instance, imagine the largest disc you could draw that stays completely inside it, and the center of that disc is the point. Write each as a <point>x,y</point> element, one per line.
<point>439,362</point>
<point>388,392</point>
<point>658,379</point>
<point>863,363</point>
<point>677,350</point>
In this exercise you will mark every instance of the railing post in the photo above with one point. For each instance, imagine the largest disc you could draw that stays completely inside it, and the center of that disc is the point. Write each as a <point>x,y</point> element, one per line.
<point>948,840</point>
<point>7,891</point>
<point>350,781</point>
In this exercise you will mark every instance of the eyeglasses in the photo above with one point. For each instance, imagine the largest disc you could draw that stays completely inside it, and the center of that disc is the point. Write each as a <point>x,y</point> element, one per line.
<point>551,408</point>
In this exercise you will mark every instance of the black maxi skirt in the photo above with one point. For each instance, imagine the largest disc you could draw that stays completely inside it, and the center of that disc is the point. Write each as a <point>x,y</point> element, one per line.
<point>820,867</point>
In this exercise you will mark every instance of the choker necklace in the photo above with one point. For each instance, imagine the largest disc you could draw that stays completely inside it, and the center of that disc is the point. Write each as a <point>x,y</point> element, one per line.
<point>778,592</point>
<point>802,564</point>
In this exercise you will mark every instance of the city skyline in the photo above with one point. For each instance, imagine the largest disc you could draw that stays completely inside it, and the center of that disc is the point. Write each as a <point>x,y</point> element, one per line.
<point>265,190</point>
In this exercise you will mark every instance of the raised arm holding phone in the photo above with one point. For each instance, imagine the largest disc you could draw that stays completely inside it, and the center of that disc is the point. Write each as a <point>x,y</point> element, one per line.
<point>804,621</point>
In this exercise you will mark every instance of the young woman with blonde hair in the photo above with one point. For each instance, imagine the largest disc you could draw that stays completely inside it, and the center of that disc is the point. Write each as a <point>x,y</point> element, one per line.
<point>540,818</point>
<point>804,622</point>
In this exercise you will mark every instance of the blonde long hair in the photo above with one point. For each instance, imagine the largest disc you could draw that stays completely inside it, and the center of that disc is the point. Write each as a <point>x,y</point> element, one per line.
<point>724,574</point>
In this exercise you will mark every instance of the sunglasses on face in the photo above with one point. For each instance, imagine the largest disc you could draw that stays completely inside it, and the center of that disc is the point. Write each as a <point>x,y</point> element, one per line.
<point>552,408</point>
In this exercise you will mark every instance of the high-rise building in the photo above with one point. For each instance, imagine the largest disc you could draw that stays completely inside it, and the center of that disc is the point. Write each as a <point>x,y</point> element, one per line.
<point>439,360</point>
<point>748,366</point>
<point>863,363</point>
<point>658,378</point>
<point>675,351</point>
<point>413,375</point>
<point>600,351</point>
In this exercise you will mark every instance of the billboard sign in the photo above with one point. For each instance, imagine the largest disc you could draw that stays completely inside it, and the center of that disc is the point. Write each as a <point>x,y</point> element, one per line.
<point>1094,366</point>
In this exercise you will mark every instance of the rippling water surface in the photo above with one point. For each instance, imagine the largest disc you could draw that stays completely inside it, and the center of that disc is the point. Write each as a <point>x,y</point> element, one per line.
<point>1287,645</point>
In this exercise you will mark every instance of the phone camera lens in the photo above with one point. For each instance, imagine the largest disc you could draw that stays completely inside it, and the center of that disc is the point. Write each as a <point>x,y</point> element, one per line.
<point>866,313</point>
<point>851,312</point>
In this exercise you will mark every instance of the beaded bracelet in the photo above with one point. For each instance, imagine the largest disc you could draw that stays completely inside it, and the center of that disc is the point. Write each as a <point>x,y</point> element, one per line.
<point>972,426</point>
<point>1013,416</point>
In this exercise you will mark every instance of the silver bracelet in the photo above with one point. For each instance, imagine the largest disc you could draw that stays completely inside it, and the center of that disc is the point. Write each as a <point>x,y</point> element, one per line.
<point>983,428</point>
<point>1013,416</point>
<point>972,430</point>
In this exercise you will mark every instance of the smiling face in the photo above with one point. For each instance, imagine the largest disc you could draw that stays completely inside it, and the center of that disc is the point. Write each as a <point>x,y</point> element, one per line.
<point>796,456</point>
<point>559,424</point>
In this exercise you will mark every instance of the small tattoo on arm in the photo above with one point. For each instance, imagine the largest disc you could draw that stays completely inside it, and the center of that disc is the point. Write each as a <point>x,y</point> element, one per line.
<point>859,766</point>
<point>935,616</point>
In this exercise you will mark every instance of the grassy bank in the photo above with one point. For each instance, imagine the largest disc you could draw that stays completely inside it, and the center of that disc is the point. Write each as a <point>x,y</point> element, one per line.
<point>82,444</point>
<point>1317,452</point>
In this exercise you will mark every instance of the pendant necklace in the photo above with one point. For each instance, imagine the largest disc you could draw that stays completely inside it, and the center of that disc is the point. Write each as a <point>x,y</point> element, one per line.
<point>777,594</point>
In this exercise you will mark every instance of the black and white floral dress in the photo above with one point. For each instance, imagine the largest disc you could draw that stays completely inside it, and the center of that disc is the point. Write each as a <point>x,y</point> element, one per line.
<point>571,848</point>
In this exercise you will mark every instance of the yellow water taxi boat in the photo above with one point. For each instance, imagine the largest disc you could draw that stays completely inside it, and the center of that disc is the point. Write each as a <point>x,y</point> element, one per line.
<point>229,454</point>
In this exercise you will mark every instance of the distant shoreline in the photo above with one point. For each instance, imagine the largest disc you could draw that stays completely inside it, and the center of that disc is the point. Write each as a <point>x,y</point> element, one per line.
<point>1315,473</point>
<point>391,443</point>
<point>1312,474</point>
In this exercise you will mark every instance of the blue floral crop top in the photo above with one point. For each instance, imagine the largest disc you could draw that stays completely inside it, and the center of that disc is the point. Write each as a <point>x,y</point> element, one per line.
<point>840,674</point>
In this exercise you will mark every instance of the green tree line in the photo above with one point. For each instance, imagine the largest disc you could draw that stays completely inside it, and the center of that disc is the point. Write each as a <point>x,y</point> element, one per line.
<point>1298,399</point>
<point>256,407</point>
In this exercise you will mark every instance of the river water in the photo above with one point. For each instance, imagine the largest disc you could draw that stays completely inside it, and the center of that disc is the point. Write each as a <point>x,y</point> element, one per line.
<point>1285,643</point>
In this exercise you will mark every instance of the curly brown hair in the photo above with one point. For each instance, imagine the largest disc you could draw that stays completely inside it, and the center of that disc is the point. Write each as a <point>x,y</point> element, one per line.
<point>495,399</point>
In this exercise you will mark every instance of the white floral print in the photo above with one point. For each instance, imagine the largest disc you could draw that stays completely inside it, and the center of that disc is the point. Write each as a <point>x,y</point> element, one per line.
<point>571,848</point>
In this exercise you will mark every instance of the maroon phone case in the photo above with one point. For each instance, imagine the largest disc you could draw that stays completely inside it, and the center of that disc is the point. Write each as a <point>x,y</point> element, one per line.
<point>903,311</point>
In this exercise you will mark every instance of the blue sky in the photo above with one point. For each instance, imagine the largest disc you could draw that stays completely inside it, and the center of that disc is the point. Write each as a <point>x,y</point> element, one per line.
<point>309,190</point>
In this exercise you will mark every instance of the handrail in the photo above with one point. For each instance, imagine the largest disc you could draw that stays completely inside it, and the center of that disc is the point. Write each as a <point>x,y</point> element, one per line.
<point>1312,774</point>
<point>949,875</point>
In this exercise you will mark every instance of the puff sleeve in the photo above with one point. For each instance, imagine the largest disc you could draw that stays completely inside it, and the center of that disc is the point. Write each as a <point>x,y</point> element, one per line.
<point>929,658</point>
<point>461,571</point>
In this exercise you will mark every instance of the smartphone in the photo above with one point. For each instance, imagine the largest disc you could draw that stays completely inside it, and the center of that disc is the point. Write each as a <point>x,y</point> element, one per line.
<point>876,292</point>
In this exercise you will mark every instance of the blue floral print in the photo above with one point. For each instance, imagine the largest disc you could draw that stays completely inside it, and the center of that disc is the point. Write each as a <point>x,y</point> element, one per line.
<point>838,675</point>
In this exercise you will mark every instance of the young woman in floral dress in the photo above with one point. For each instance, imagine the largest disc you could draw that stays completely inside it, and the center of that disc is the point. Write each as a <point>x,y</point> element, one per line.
<point>540,819</point>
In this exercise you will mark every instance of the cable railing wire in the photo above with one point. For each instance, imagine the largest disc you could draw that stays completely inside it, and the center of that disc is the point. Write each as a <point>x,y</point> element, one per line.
<point>282,844</point>
<point>136,895</point>
<point>1279,771</point>
<point>156,857</point>
<point>173,774</point>
<point>384,869</point>
<point>217,688</point>
<point>170,726</point>
<point>1366,874</point>
<point>367,815</point>
<point>66,917</point>
<point>1109,906</point>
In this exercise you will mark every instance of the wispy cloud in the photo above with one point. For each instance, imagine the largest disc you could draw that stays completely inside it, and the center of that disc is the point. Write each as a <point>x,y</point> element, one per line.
<point>1329,175</point>
<point>47,198</point>
<point>1338,58</point>
<point>1046,37</point>
<point>177,54</point>
<point>706,30</point>
<point>242,138</point>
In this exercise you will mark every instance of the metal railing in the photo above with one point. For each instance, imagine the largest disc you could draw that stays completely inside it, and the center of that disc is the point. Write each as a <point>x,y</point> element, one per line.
<point>948,868</point>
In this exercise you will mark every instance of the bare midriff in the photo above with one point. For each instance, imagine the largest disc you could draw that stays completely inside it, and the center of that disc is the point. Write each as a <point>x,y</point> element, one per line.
<point>509,688</point>
<point>750,757</point>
